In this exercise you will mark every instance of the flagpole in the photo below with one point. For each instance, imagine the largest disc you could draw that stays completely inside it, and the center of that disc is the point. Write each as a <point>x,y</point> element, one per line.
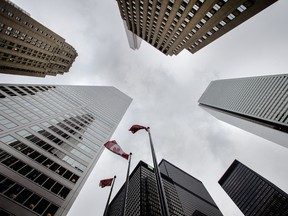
<point>162,196</point>
<point>107,204</point>
<point>126,186</point>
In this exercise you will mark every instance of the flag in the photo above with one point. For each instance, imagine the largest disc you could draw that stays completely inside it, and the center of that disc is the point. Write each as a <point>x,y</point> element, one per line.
<point>135,128</point>
<point>105,182</point>
<point>114,147</point>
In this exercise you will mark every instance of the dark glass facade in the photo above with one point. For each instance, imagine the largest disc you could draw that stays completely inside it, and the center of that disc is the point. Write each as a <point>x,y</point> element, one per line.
<point>143,196</point>
<point>253,194</point>
<point>185,194</point>
<point>51,138</point>
<point>192,194</point>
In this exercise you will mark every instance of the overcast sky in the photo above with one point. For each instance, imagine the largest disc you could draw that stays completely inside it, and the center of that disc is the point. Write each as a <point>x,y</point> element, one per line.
<point>165,91</point>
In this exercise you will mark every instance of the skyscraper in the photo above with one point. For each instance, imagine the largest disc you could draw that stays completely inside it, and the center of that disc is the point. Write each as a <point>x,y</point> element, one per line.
<point>51,138</point>
<point>253,194</point>
<point>171,26</point>
<point>29,48</point>
<point>185,194</point>
<point>193,195</point>
<point>255,104</point>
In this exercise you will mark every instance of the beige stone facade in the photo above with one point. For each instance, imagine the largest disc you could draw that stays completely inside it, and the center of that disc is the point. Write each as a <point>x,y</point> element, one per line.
<point>29,48</point>
<point>173,25</point>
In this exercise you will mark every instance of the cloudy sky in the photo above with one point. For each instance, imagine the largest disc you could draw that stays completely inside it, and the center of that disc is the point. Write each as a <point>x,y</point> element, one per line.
<point>165,91</point>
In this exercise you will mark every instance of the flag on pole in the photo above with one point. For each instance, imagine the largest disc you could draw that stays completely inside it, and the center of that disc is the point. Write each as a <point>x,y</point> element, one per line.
<point>106,182</point>
<point>136,128</point>
<point>114,147</point>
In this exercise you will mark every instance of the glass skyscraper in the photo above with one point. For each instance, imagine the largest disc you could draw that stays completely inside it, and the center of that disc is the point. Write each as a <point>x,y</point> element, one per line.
<point>258,105</point>
<point>253,194</point>
<point>194,197</point>
<point>185,195</point>
<point>51,138</point>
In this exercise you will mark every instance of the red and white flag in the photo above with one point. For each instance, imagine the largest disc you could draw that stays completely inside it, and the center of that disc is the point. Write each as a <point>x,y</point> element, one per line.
<point>114,147</point>
<point>136,128</point>
<point>105,182</point>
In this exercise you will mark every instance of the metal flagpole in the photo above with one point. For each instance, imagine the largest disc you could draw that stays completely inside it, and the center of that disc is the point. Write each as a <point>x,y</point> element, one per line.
<point>162,196</point>
<point>107,204</point>
<point>126,186</point>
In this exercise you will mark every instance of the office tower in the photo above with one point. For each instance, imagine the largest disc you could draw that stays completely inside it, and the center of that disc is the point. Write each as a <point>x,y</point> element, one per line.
<point>255,104</point>
<point>29,48</point>
<point>182,198</point>
<point>193,195</point>
<point>253,194</point>
<point>50,139</point>
<point>171,26</point>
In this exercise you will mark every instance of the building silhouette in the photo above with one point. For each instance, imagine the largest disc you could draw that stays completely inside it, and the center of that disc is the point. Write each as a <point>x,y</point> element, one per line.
<point>29,48</point>
<point>255,104</point>
<point>143,196</point>
<point>171,26</point>
<point>51,137</point>
<point>193,195</point>
<point>253,194</point>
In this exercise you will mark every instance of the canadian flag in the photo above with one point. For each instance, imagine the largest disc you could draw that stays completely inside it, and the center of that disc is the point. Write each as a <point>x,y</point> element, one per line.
<point>114,147</point>
<point>105,182</point>
<point>136,128</point>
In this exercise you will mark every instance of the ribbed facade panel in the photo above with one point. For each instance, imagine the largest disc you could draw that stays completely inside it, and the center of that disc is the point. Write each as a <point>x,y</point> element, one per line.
<point>259,100</point>
<point>51,138</point>
<point>253,194</point>
<point>171,26</point>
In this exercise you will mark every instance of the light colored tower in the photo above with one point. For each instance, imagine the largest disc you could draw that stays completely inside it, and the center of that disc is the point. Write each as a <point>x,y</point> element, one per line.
<point>51,138</point>
<point>29,48</point>
<point>258,105</point>
<point>173,25</point>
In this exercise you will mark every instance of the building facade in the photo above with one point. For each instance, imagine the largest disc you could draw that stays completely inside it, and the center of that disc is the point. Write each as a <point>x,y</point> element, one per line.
<point>255,104</point>
<point>29,48</point>
<point>193,195</point>
<point>253,194</point>
<point>51,138</point>
<point>171,26</point>
<point>143,196</point>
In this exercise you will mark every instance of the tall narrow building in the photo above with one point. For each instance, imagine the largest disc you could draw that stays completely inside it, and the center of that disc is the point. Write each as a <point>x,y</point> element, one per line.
<point>29,48</point>
<point>253,194</point>
<point>173,25</point>
<point>185,195</point>
<point>51,137</point>
<point>258,105</point>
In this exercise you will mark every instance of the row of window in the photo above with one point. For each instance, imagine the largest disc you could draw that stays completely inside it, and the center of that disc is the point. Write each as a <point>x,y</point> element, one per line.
<point>33,174</point>
<point>31,26</point>
<point>26,198</point>
<point>50,149</point>
<point>69,145</point>
<point>40,158</point>
<point>222,23</point>
<point>76,122</point>
<point>38,65</point>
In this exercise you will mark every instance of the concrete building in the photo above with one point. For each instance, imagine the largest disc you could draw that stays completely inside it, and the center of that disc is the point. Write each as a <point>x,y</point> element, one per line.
<point>29,48</point>
<point>185,194</point>
<point>253,194</point>
<point>255,104</point>
<point>51,137</point>
<point>171,26</point>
